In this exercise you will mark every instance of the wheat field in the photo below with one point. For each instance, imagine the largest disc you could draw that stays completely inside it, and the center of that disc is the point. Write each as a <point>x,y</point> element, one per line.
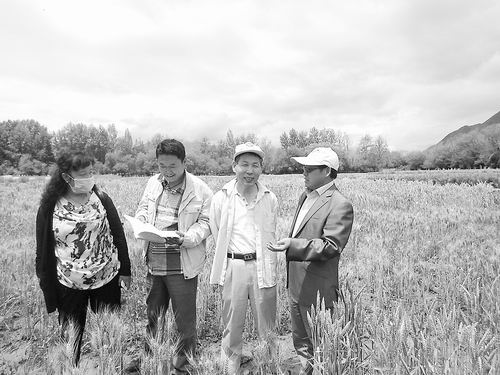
<point>419,277</point>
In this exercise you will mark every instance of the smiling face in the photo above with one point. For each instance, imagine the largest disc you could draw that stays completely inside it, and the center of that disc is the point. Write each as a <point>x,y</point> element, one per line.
<point>248,168</point>
<point>171,167</point>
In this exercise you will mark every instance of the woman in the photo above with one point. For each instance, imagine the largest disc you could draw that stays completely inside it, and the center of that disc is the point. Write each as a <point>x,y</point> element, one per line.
<point>81,250</point>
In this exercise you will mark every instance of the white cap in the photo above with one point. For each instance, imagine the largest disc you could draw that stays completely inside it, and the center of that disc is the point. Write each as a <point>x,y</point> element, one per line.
<point>320,156</point>
<point>248,147</point>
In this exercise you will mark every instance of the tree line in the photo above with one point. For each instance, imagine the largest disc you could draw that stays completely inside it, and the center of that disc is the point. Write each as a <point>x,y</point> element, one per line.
<point>28,148</point>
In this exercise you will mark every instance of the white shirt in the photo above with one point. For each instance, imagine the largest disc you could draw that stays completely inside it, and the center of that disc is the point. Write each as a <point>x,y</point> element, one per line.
<point>243,235</point>
<point>312,197</point>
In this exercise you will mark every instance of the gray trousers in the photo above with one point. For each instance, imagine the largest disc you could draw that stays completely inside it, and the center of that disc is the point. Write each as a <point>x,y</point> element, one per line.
<point>182,293</point>
<point>301,335</point>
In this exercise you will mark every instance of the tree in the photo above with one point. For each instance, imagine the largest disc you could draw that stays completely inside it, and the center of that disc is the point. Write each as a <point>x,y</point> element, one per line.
<point>284,140</point>
<point>415,160</point>
<point>380,152</point>
<point>302,139</point>
<point>293,136</point>
<point>125,144</point>
<point>314,136</point>
<point>25,139</point>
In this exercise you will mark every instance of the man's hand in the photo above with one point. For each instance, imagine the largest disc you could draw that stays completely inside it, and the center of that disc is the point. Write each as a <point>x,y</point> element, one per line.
<point>181,237</point>
<point>125,281</point>
<point>281,245</point>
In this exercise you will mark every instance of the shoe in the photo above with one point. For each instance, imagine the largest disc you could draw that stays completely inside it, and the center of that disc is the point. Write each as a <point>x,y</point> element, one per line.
<point>133,367</point>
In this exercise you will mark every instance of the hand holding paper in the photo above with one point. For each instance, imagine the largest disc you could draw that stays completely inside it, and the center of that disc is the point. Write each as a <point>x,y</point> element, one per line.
<point>148,232</point>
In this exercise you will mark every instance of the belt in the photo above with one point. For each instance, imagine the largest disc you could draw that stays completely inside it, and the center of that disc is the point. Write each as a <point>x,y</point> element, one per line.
<point>245,257</point>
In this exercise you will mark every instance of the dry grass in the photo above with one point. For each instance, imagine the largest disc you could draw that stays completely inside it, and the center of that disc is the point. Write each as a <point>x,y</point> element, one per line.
<point>420,280</point>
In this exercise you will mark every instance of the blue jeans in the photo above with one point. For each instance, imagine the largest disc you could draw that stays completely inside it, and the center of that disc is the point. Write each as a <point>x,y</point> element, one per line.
<point>182,293</point>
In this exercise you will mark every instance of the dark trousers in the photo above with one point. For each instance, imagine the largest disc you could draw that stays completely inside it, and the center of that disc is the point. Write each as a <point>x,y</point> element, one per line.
<point>302,335</point>
<point>73,308</point>
<point>182,293</point>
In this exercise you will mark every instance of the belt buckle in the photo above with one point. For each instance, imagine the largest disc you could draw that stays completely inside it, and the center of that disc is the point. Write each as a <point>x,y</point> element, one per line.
<point>247,257</point>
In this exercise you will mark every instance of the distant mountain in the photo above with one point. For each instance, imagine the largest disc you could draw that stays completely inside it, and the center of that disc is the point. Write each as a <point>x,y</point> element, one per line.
<point>489,126</point>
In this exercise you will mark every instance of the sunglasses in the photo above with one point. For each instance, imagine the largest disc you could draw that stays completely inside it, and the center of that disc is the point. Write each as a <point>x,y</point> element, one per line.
<point>309,168</point>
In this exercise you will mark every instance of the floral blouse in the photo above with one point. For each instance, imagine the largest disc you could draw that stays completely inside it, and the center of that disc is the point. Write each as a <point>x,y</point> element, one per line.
<point>85,253</point>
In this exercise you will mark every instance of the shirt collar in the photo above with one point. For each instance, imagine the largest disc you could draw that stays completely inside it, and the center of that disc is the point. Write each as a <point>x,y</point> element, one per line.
<point>321,189</point>
<point>178,188</point>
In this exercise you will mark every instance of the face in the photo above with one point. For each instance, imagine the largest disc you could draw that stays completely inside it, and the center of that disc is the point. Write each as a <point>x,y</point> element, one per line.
<point>248,169</point>
<point>80,181</point>
<point>171,167</point>
<point>315,176</point>
<point>83,173</point>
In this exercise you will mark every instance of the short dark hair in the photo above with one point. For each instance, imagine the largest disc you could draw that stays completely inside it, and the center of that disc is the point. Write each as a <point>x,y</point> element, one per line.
<point>253,153</point>
<point>333,172</point>
<point>171,147</point>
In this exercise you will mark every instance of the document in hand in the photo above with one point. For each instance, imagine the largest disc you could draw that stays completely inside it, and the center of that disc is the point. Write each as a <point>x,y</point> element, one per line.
<point>148,232</point>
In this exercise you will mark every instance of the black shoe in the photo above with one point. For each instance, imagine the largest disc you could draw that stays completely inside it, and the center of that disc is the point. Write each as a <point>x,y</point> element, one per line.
<point>133,367</point>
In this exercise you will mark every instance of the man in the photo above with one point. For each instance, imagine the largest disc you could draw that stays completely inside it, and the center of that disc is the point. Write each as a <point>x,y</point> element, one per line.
<point>243,220</point>
<point>175,200</point>
<point>320,230</point>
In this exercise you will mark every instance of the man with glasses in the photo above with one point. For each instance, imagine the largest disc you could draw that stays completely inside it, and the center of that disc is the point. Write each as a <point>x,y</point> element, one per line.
<point>319,232</point>
<point>175,200</point>
<point>243,220</point>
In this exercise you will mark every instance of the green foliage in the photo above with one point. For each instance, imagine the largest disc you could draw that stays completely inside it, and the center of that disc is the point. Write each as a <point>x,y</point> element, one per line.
<point>27,148</point>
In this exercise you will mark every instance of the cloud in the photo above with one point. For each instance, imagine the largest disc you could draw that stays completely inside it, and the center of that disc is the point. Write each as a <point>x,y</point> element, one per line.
<point>409,71</point>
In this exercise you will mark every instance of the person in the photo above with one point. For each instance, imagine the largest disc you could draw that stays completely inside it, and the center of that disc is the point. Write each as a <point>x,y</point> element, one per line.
<point>81,250</point>
<point>175,200</point>
<point>243,220</point>
<point>320,230</point>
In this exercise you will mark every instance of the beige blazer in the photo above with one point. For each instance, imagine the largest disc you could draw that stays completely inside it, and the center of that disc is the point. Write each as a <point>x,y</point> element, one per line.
<point>314,252</point>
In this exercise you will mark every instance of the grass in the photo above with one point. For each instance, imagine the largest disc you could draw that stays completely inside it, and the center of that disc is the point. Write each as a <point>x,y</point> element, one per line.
<point>420,286</point>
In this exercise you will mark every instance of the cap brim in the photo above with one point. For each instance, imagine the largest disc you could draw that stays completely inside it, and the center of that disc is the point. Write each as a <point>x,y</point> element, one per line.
<point>260,154</point>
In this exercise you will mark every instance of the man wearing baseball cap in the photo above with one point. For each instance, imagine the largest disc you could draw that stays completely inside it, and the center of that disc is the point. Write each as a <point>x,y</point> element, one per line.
<point>319,232</point>
<point>243,220</point>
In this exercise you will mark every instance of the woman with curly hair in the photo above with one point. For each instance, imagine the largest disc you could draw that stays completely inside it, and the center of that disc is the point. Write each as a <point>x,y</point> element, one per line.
<point>81,250</point>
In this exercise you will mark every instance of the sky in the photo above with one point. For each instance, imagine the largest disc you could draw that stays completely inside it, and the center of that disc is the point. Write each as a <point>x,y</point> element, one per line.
<point>409,71</point>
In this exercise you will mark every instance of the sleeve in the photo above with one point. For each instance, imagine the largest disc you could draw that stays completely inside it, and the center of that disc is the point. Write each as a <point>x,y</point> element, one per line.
<point>275,207</point>
<point>215,216</point>
<point>39,241</point>
<point>119,239</point>
<point>200,230</point>
<point>335,234</point>
<point>142,210</point>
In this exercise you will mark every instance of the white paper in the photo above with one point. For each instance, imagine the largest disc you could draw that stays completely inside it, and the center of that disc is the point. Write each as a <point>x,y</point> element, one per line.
<point>146,231</point>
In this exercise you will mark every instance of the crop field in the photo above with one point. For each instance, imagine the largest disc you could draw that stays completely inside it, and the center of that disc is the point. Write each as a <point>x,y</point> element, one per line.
<point>420,284</point>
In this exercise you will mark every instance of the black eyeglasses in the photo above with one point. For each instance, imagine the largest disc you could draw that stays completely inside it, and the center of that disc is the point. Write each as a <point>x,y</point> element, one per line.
<point>309,168</point>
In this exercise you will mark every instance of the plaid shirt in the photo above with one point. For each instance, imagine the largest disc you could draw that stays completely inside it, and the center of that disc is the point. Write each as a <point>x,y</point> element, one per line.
<point>164,258</point>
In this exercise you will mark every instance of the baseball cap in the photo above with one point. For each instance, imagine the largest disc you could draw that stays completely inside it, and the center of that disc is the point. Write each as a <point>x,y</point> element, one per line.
<point>248,147</point>
<point>320,156</point>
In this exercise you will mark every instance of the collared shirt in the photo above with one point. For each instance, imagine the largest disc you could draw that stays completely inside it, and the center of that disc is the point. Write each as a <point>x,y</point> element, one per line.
<point>242,240</point>
<point>222,220</point>
<point>164,259</point>
<point>312,197</point>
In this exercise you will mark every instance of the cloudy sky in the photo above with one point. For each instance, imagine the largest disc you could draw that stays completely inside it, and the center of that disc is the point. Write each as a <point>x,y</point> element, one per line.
<point>410,71</point>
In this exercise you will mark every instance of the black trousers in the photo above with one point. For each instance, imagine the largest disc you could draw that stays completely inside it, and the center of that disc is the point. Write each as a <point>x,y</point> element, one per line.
<point>73,308</point>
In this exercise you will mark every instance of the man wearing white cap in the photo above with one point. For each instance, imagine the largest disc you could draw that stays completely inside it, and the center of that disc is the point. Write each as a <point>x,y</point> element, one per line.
<point>319,232</point>
<point>243,220</point>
